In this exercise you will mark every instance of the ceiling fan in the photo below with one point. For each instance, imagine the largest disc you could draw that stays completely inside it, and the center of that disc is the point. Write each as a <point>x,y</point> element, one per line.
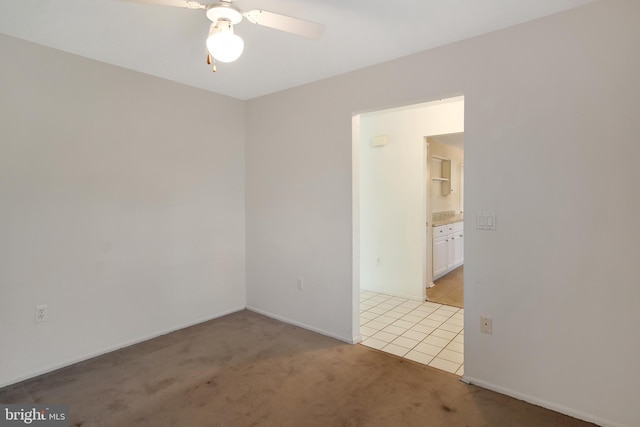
<point>225,46</point>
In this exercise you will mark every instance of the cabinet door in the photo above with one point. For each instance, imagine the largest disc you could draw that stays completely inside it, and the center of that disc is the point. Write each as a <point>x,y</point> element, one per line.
<point>440,256</point>
<point>457,249</point>
<point>452,254</point>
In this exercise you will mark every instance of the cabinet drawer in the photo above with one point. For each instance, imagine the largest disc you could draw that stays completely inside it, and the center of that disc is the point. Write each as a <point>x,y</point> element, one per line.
<point>457,226</point>
<point>441,230</point>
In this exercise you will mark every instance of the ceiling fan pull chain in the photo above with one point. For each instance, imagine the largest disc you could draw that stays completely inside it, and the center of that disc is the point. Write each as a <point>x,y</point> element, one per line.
<point>209,61</point>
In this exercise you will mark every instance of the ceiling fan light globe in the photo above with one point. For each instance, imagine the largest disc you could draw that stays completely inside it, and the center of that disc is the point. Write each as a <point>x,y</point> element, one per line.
<point>225,46</point>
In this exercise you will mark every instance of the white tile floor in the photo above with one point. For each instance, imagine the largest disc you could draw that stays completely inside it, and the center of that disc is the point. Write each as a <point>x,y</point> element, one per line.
<point>426,332</point>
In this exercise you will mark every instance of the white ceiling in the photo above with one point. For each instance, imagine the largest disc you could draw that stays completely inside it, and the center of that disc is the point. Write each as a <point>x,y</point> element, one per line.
<point>455,140</point>
<point>168,42</point>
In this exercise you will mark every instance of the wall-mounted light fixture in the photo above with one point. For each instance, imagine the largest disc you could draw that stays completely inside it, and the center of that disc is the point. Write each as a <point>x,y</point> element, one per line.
<point>380,141</point>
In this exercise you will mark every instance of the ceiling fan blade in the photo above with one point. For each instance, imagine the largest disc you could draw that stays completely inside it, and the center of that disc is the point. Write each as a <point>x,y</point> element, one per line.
<point>189,4</point>
<point>291,25</point>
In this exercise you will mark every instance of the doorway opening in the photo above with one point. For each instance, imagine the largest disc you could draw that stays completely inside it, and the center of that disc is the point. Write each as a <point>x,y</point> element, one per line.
<point>393,234</point>
<point>446,158</point>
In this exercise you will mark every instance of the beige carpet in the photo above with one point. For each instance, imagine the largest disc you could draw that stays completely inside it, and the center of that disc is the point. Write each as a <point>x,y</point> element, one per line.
<point>449,289</point>
<point>248,370</point>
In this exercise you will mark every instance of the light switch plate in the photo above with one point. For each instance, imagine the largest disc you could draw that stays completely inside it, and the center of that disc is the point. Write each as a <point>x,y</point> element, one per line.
<point>486,221</point>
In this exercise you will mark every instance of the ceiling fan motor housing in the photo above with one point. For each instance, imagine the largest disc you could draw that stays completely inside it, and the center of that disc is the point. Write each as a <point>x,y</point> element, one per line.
<point>225,11</point>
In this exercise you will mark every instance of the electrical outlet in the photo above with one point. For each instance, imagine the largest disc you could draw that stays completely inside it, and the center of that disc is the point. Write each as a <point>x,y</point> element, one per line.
<point>300,283</point>
<point>41,313</point>
<point>486,325</point>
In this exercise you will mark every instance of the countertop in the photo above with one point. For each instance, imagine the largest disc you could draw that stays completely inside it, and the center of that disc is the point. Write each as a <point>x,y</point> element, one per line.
<point>448,220</point>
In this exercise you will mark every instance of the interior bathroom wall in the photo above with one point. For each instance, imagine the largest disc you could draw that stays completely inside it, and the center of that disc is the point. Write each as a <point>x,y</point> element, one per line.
<point>452,201</point>
<point>393,205</point>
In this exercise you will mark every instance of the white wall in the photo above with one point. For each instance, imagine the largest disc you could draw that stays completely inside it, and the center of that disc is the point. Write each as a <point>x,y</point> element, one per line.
<point>121,207</point>
<point>558,275</point>
<point>393,195</point>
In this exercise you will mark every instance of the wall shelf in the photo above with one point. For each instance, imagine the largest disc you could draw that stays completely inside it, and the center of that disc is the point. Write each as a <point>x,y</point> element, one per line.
<point>436,157</point>
<point>445,177</point>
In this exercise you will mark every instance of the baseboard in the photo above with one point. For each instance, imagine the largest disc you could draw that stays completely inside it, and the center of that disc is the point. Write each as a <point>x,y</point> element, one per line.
<point>354,340</point>
<point>394,294</point>
<point>541,402</point>
<point>91,355</point>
